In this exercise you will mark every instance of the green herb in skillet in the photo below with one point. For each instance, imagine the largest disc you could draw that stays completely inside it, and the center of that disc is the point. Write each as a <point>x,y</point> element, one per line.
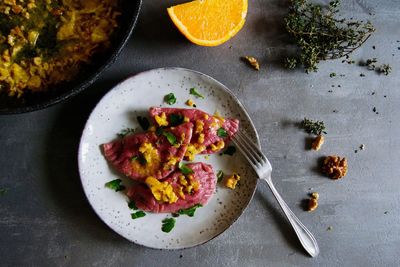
<point>3,191</point>
<point>321,34</point>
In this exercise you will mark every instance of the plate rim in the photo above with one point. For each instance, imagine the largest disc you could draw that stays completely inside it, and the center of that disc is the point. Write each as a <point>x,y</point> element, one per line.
<point>222,86</point>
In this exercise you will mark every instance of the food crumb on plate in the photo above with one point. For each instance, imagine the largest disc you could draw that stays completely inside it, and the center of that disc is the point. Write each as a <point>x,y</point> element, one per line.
<point>232,181</point>
<point>190,103</point>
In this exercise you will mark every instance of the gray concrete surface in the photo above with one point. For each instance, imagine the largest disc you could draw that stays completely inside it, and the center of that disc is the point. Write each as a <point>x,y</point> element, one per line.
<point>45,219</point>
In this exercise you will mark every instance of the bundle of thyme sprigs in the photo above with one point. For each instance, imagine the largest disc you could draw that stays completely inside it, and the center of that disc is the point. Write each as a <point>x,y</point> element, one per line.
<point>321,34</point>
<point>313,127</point>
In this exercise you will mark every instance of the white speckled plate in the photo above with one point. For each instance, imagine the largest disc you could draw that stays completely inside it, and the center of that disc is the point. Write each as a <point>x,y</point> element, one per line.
<point>118,110</point>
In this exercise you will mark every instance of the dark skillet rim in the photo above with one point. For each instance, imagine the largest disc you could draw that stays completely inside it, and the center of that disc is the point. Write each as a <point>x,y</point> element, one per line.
<point>90,79</point>
<point>240,104</point>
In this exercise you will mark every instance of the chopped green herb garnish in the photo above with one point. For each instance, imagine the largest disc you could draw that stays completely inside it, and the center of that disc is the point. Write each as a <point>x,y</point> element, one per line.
<point>115,185</point>
<point>132,205</point>
<point>170,99</point>
<point>221,132</point>
<point>159,131</point>
<point>189,211</point>
<point>230,150</point>
<point>194,92</point>
<point>313,127</point>
<point>184,168</point>
<point>125,132</point>
<point>220,176</point>
<point>168,224</point>
<point>138,214</point>
<point>3,191</point>
<point>140,159</point>
<point>332,75</point>
<point>143,122</point>
<point>170,137</point>
<point>176,119</point>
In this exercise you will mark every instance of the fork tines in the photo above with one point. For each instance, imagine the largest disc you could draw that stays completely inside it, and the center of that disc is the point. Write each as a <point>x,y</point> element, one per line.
<point>249,149</point>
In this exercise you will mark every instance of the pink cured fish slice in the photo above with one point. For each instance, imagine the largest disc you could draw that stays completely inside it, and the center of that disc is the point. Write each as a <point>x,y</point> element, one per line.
<point>210,127</point>
<point>203,173</point>
<point>124,155</point>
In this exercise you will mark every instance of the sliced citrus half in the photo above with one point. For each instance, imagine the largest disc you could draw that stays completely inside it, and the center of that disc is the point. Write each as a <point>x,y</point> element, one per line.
<point>209,22</point>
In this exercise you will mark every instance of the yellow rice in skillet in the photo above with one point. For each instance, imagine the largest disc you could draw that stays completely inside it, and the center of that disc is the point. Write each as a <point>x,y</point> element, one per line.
<point>45,42</point>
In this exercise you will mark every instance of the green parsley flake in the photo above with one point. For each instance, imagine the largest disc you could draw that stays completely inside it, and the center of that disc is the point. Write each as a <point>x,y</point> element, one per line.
<point>125,132</point>
<point>140,159</point>
<point>170,137</point>
<point>132,205</point>
<point>220,175</point>
<point>170,99</point>
<point>184,168</point>
<point>143,122</point>
<point>194,92</point>
<point>221,132</point>
<point>230,150</point>
<point>168,224</point>
<point>115,185</point>
<point>175,120</point>
<point>189,211</point>
<point>159,131</point>
<point>138,214</point>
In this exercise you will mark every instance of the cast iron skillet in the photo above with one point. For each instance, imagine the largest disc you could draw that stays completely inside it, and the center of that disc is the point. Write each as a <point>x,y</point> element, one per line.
<point>31,102</point>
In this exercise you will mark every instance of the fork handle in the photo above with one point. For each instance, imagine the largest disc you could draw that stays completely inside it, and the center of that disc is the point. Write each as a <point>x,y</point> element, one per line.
<point>306,238</point>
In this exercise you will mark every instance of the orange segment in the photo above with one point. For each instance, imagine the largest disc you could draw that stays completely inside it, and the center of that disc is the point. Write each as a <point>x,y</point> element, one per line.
<point>209,22</point>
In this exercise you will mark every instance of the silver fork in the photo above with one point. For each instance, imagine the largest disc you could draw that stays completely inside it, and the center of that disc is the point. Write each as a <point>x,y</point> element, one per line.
<point>263,168</point>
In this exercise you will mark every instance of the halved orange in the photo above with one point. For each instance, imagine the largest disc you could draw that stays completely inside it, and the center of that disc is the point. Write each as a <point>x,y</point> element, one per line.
<point>209,22</point>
